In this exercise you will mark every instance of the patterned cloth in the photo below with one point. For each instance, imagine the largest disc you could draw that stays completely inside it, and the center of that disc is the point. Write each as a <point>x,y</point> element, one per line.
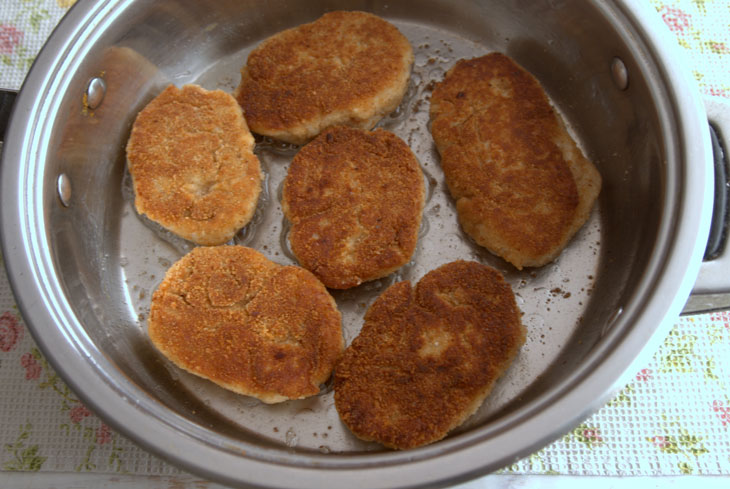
<point>672,418</point>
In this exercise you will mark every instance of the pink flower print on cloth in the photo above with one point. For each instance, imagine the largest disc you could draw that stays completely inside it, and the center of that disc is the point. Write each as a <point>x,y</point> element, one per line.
<point>719,48</point>
<point>103,434</point>
<point>661,442</point>
<point>723,412</point>
<point>78,413</point>
<point>644,375</point>
<point>592,435</point>
<point>10,331</point>
<point>32,367</point>
<point>10,37</point>
<point>676,19</point>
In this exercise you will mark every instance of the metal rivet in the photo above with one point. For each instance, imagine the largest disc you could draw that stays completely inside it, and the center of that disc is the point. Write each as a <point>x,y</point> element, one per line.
<point>620,74</point>
<point>95,91</point>
<point>63,187</point>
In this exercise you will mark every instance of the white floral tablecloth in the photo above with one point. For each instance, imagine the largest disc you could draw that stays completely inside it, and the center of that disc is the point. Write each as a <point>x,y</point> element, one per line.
<point>672,418</point>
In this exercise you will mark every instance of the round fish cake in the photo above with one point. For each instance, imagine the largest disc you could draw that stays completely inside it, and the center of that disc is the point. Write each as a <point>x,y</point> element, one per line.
<point>354,199</point>
<point>427,357</point>
<point>230,315</point>
<point>347,68</point>
<point>191,159</point>
<point>522,186</point>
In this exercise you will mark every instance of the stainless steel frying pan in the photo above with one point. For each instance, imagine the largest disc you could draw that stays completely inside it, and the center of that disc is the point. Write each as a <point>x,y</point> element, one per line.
<point>83,264</point>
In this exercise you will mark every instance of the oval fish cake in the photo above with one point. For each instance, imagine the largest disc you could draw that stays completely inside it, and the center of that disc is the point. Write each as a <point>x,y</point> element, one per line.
<point>190,155</point>
<point>354,199</point>
<point>522,186</point>
<point>347,68</point>
<point>230,315</point>
<point>427,357</point>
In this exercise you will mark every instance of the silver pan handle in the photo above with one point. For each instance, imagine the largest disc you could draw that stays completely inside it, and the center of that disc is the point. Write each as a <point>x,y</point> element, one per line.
<point>712,289</point>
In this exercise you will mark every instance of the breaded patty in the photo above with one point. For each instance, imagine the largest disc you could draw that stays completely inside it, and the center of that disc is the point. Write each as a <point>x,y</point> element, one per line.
<point>354,199</point>
<point>230,315</point>
<point>347,68</point>
<point>191,159</point>
<point>427,357</point>
<point>521,184</point>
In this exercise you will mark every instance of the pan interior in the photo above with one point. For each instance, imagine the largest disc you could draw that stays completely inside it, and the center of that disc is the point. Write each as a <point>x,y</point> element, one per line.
<point>110,259</point>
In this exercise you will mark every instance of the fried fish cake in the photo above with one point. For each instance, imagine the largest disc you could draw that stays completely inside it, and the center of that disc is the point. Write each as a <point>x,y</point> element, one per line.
<point>427,357</point>
<point>522,186</point>
<point>230,315</point>
<point>354,199</point>
<point>191,159</point>
<point>347,68</point>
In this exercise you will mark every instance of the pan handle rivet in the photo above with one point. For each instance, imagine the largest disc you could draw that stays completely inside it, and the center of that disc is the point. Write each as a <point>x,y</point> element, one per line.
<point>63,187</point>
<point>95,91</point>
<point>620,74</point>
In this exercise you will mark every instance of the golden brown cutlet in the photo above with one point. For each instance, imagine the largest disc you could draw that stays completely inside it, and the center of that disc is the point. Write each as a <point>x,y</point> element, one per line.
<point>190,155</point>
<point>522,186</point>
<point>347,68</point>
<point>230,315</point>
<point>354,199</point>
<point>427,357</point>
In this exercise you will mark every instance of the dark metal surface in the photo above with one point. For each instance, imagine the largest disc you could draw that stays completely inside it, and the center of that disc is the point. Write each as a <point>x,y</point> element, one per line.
<point>717,240</point>
<point>7,99</point>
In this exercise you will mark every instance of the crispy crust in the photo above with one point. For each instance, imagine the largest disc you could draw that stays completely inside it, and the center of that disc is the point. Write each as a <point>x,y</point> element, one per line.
<point>355,200</point>
<point>347,68</point>
<point>228,314</point>
<point>426,358</point>
<point>191,160</point>
<point>522,186</point>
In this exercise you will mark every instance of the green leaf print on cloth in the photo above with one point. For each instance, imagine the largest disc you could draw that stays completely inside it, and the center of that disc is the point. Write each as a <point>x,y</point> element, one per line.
<point>676,439</point>
<point>24,457</point>
<point>677,354</point>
